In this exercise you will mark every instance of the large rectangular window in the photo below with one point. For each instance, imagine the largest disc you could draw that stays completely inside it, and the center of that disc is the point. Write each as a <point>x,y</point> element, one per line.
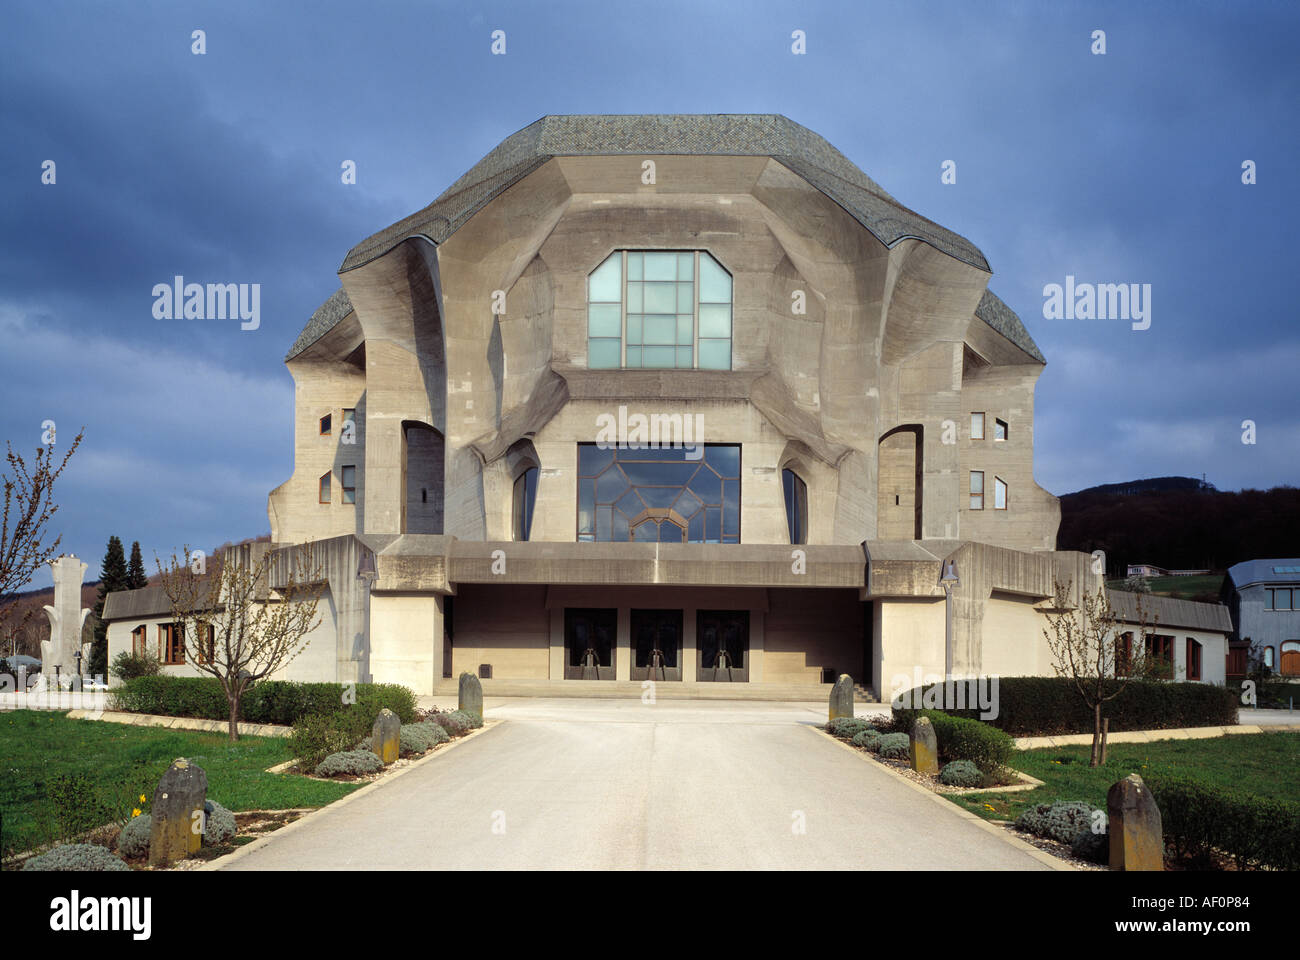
<point>349,477</point>
<point>659,309</point>
<point>171,643</point>
<point>977,426</point>
<point>659,494</point>
<point>977,489</point>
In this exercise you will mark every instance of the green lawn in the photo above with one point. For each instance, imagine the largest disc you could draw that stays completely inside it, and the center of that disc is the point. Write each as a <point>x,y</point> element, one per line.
<point>125,761</point>
<point>1267,764</point>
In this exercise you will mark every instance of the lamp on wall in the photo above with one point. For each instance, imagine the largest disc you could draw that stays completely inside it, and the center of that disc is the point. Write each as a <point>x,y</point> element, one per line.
<point>366,567</point>
<point>949,579</point>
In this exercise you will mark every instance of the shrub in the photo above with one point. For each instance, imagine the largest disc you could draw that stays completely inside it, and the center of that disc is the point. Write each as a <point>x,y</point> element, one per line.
<point>315,738</point>
<point>961,773</point>
<point>218,824</point>
<point>1035,706</point>
<point>1093,847</point>
<point>1061,820</point>
<point>76,804</point>
<point>76,856</point>
<point>1255,831</point>
<point>896,746</point>
<point>133,841</point>
<point>354,762</point>
<point>472,721</point>
<point>457,723</point>
<point>268,701</point>
<point>846,728</point>
<point>867,739</point>
<point>961,739</point>
<point>127,665</point>
<point>435,732</point>
<point>415,738</point>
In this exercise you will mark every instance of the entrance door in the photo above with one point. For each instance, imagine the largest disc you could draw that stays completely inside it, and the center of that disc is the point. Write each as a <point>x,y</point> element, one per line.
<point>656,644</point>
<point>722,637</point>
<point>589,644</point>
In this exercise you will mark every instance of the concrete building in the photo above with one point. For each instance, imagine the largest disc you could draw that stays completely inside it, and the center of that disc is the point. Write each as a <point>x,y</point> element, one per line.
<point>1264,599</point>
<point>683,397</point>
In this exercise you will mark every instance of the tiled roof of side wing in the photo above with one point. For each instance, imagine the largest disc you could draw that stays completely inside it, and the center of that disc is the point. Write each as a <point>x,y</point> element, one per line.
<point>1004,320</point>
<point>322,321</point>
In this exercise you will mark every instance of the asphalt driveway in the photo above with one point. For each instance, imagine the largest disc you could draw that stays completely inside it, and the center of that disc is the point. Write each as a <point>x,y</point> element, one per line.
<point>601,784</point>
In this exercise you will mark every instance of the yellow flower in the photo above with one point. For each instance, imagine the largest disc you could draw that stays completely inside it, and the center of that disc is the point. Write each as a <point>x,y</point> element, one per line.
<point>142,798</point>
<point>135,812</point>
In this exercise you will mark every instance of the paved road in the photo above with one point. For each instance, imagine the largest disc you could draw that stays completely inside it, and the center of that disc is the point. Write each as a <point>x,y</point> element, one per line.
<point>598,784</point>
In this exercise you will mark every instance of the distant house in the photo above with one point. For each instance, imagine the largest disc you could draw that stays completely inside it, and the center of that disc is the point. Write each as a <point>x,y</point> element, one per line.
<point>1191,637</point>
<point>1151,570</point>
<point>1264,600</point>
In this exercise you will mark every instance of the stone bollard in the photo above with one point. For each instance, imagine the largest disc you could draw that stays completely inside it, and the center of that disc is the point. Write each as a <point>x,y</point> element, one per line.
<point>924,748</point>
<point>386,736</point>
<point>1136,832</point>
<point>842,697</point>
<point>177,813</point>
<point>471,695</point>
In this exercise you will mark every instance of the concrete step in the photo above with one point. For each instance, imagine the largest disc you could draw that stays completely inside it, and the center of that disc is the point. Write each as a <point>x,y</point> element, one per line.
<point>664,690</point>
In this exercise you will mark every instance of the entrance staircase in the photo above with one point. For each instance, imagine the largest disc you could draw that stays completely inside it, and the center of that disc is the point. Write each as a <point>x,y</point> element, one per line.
<point>664,690</point>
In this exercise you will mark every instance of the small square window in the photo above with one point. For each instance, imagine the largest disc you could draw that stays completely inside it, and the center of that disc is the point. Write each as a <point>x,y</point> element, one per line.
<point>999,429</point>
<point>977,426</point>
<point>349,477</point>
<point>325,424</point>
<point>325,488</point>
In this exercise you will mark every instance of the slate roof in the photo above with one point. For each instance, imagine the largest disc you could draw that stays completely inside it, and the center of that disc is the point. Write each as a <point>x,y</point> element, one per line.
<point>749,135</point>
<point>1262,571</point>
<point>1171,612</point>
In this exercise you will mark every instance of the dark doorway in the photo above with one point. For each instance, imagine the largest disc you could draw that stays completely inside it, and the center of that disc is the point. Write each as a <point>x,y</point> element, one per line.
<point>868,674</point>
<point>656,644</point>
<point>589,639</point>
<point>722,638</point>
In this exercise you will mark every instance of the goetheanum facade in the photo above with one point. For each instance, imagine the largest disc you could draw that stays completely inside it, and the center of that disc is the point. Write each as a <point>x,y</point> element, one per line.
<point>688,398</point>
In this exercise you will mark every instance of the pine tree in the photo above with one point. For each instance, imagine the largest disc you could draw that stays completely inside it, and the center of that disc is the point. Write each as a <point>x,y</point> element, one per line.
<point>112,577</point>
<point>135,575</point>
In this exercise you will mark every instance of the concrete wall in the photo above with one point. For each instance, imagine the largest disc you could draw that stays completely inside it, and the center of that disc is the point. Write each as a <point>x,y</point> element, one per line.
<point>807,630</point>
<point>508,627</point>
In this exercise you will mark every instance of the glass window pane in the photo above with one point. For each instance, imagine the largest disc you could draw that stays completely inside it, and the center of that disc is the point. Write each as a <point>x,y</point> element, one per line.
<point>685,329</point>
<point>604,320</point>
<point>634,271</point>
<point>685,298</point>
<point>999,494</point>
<point>604,354</point>
<point>976,482</point>
<point>715,283</point>
<point>977,426</point>
<point>715,354</point>
<point>999,430</point>
<point>660,298</point>
<point>634,328</point>
<point>724,458</point>
<point>685,266</point>
<point>1282,600</point>
<point>592,459</point>
<point>684,358</point>
<point>1268,599</point>
<point>661,266</point>
<point>715,320</point>
<point>661,330</point>
<point>658,357</point>
<point>634,297</point>
<point>633,356</point>
<point>604,285</point>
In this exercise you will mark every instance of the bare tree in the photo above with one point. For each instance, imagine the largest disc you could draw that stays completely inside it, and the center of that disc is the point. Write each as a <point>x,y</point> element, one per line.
<point>243,614</point>
<point>28,507</point>
<point>1094,648</point>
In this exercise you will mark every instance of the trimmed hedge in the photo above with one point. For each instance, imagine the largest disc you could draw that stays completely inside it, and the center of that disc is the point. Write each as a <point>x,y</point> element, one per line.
<point>268,701</point>
<point>1043,706</point>
<point>961,739</point>
<point>1255,831</point>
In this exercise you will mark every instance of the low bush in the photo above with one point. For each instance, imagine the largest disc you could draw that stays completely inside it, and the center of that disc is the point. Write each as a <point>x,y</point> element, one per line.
<point>961,739</point>
<point>315,738</point>
<point>133,841</point>
<point>868,740</point>
<point>1061,820</point>
<point>268,701</point>
<point>218,824</point>
<point>76,856</point>
<point>896,746</point>
<point>846,728</point>
<point>1255,831</point>
<point>1093,847</point>
<point>349,762</point>
<point>457,723</point>
<point>416,738</point>
<point>127,665</point>
<point>961,773</point>
<point>1040,706</point>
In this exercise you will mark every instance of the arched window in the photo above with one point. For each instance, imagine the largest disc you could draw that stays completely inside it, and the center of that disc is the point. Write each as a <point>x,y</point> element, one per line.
<point>659,309</point>
<point>796,505</point>
<point>1290,658</point>
<point>524,500</point>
